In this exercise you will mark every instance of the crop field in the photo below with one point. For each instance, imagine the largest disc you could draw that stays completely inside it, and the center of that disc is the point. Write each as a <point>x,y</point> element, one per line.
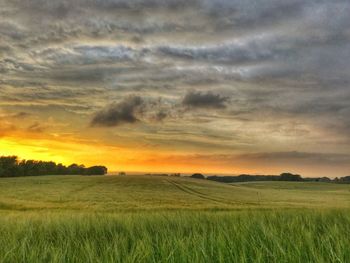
<point>170,219</point>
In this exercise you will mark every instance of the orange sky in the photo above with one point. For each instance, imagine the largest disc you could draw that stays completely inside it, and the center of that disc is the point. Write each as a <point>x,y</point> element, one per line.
<point>67,150</point>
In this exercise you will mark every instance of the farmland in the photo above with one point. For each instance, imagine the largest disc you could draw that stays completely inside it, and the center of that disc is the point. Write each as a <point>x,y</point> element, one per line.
<point>165,219</point>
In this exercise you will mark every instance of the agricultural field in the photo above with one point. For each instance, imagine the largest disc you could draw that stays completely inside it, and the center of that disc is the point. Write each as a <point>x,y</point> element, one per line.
<point>170,219</point>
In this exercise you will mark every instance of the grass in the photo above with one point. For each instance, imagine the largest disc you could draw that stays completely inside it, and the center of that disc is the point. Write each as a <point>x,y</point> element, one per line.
<point>160,219</point>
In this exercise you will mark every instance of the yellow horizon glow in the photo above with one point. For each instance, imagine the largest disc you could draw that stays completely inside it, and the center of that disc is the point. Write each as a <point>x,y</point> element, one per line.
<point>68,150</point>
<point>115,158</point>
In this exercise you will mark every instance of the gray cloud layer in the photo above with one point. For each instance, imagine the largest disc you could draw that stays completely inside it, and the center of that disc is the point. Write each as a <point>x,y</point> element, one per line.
<point>284,65</point>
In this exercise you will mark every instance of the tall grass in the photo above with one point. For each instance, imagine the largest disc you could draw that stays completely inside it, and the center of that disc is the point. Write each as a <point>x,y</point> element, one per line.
<point>256,236</point>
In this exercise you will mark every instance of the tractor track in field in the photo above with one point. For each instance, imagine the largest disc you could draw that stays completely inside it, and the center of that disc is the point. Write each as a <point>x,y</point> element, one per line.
<point>196,193</point>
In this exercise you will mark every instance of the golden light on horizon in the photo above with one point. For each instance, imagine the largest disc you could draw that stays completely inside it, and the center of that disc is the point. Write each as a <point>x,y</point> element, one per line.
<point>130,159</point>
<point>116,158</point>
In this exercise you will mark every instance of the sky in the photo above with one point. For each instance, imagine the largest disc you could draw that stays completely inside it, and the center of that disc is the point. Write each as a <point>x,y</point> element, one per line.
<point>211,86</point>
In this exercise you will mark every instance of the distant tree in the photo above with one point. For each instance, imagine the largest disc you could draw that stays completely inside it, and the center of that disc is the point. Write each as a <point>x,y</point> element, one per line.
<point>96,170</point>
<point>60,169</point>
<point>243,178</point>
<point>253,178</point>
<point>197,176</point>
<point>325,180</point>
<point>345,179</point>
<point>10,166</point>
<point>290,177</point>
<point>76,169</point>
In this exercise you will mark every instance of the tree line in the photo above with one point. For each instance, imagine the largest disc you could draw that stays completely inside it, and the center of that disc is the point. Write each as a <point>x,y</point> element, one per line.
<point>11,166</point>
<point>282,177</point>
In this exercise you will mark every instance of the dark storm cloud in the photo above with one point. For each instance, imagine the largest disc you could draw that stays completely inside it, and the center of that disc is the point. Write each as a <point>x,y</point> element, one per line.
<point>118,113</point>
<point>132,109</point>
<point>198,99</point>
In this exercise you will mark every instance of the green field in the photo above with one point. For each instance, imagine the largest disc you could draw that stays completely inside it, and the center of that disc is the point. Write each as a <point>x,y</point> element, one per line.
<point>165,219</point>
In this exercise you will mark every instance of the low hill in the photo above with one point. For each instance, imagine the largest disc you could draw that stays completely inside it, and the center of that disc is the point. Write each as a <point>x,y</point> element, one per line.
<point>134,193</point>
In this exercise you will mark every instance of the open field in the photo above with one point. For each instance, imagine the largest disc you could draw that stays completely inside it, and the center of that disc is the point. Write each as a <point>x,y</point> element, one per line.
<point>136,193</point>
<point>163,219</point>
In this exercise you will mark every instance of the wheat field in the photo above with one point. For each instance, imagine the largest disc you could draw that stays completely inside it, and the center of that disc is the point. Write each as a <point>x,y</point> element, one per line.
<point>163,219</point>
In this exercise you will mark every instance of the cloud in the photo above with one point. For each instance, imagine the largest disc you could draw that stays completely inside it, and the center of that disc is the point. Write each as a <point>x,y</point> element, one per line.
<point>239,52</point>
<point>11,31</point>
<point>6,123</point>
<point>273,68</point>
<point>269,158</point>
<point>85,55</point>
<point>7,129</point>
<point>295,156</point>
<point>118,113</point>
<point>36,127</point>
<point>160,115</point>
<point>15,115</point>
<point>21,115</point>
<point>204,100</point>
<point>131,110</point>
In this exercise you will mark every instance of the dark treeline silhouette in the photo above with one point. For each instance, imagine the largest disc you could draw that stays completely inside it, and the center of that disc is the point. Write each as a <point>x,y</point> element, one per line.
<point>11,166</point>
<point>345,179</point>
<point>249,178</point>
<point>282,177</point>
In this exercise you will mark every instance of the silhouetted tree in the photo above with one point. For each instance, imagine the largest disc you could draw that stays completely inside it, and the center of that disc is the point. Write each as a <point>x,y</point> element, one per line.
<point>197,176</point>
<point>345,179</point>
<point>10,166</point>
<point>96,170</point>
<point>290,177</point>
<point>282,177</point>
